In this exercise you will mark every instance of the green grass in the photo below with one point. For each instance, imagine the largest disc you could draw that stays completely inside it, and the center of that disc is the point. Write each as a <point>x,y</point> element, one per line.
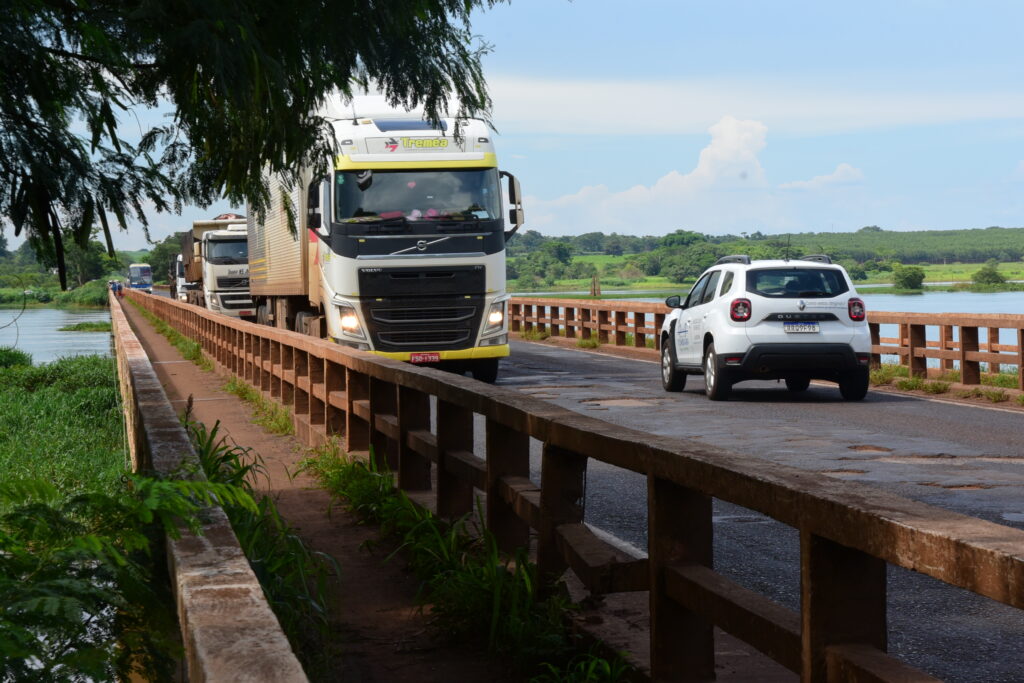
<point>936,387</point>
<point>995,395</point>
<point>189,349</point>
<point>477,596</point>
<point>97,326</point>
<point>591,343</point>
<point>534,334</point>
<point>10,356</point>
<point>910,384</point>
<point>61,422</point>
<point>885,374</point>
<point>270,415</point>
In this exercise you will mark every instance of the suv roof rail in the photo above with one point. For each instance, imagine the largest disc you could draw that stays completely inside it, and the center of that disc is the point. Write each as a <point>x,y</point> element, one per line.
<point>818,258</point>
<point>734,258</point>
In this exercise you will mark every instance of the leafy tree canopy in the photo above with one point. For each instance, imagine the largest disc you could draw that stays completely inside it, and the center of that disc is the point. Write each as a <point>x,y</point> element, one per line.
<point>244,80</point>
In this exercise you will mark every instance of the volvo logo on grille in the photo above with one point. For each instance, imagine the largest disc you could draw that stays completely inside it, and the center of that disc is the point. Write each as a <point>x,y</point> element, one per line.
<point>801,304</point>
<point>421,245</point>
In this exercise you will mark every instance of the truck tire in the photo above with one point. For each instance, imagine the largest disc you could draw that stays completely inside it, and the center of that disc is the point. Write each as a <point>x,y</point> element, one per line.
<point>484,370</point>
<point>797,383</point>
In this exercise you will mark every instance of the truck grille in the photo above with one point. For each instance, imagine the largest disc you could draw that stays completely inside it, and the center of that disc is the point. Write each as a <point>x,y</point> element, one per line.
<point>236,301</point>
<point>425,323</point>
<point>232,283</point>
<point>421,315</point>
<point>423,339</point>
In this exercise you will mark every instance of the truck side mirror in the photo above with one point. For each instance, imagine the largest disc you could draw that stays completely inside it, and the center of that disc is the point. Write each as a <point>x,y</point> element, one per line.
<point>515,194</point>
<point>313,205</point>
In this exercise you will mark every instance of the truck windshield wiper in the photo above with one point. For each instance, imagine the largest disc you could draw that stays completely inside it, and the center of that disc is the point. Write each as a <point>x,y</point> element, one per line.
<point>376,223</point>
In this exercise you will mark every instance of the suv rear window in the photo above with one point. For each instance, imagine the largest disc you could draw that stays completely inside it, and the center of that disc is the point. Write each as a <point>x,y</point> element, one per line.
<point>794,283</point>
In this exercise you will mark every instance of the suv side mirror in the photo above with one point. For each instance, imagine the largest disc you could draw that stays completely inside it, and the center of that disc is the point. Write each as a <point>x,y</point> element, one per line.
<point>515,214</point>
<point>673,301</point>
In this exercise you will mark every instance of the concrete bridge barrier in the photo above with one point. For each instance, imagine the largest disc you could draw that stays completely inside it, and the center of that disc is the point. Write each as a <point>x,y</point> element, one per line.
<point>422,420</point>
<point>229,631</point>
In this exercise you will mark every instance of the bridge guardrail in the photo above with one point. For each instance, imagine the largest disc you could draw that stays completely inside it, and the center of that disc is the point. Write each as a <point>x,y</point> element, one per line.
<point>638,324</point>
<point>228,629</point>
<point>848,531</point>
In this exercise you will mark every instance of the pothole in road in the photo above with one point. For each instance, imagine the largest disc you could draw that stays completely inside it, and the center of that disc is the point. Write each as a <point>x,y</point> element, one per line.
<point>617,403</point>
<point>866,448</point>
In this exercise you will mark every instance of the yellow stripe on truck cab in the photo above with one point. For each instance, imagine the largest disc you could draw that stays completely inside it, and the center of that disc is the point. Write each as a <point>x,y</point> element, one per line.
<point>345,163</point>
<point>500,351</point>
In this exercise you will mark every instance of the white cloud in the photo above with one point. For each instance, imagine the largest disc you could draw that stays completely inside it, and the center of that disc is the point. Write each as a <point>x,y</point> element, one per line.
<point>726,189</point>
<point>612,107</point>
<point>843,175</point>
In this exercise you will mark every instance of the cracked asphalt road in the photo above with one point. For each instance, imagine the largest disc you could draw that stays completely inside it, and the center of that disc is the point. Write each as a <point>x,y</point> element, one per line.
<point>958,457</point>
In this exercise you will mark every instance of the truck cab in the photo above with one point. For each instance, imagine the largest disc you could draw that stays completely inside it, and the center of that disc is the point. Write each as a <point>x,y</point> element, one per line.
<point>216,264</point>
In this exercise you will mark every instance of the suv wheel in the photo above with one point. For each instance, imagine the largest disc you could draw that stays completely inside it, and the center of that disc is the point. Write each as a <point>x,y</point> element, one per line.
<point>671,378</point>
<point>715,378</point>
<point>797,383</point>
<point>854,385</point>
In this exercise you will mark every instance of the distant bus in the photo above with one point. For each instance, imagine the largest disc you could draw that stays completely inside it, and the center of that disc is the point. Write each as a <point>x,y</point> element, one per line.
<point>140,276</point>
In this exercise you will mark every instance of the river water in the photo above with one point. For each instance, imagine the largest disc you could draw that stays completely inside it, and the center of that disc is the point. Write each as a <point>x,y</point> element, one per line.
<point>35,331</point>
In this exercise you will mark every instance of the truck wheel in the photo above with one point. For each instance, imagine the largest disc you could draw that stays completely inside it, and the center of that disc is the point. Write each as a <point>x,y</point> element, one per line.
<point>485,370</point>
<point>854,385</point>
<point>671,378</point>
<point>716,379</point>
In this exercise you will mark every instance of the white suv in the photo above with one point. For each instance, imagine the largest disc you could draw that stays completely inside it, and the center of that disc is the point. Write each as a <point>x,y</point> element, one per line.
<point>796,320</point>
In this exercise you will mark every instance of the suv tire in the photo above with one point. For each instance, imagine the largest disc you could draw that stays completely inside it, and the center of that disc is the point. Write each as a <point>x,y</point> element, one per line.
<point>715,378</point>
<point>854,385</point>
<point>797,383</point>
<point>671,377</point>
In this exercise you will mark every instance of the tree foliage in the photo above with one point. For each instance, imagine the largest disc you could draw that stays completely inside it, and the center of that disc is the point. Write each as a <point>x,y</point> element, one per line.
<point>989,274</point>
<point>244,80</point>
<point>907,277</point>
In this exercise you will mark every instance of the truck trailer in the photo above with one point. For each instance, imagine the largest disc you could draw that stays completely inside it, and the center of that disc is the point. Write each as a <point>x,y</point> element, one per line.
<point>215,260</point>
<point>398,249</point>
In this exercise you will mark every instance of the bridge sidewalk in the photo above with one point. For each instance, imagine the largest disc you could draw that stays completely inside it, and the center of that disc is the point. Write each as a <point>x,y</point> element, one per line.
<point>382,633</point>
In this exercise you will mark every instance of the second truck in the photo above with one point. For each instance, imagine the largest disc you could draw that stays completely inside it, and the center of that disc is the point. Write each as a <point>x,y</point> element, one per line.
<point>215,260</point>
<point>399,247</point>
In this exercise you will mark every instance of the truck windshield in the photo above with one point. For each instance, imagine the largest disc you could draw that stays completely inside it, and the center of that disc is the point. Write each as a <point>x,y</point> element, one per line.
<point>460,195</point>
<point>140,275</point>
<point>227,251</point>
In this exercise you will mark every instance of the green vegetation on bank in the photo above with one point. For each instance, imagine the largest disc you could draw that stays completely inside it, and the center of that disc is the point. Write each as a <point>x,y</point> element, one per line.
<point>270,415</point>
<point>95,326</point>
<point>83,593</point>
<point>476,595</point>
<point>982,259</point>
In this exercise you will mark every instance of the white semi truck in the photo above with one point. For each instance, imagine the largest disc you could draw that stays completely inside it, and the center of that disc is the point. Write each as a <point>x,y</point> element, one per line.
<point>215,256</point>
<point>400,246</point>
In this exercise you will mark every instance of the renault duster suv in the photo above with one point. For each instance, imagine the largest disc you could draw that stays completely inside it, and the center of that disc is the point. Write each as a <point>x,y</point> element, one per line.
<point>794,320</point>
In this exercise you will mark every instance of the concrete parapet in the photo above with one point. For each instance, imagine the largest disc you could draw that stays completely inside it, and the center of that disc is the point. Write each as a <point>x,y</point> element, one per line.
<point>229,631</point>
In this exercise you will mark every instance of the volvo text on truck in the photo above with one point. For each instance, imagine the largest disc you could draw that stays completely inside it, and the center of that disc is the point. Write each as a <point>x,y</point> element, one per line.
<point>400,247</point>
<point>215,256</point>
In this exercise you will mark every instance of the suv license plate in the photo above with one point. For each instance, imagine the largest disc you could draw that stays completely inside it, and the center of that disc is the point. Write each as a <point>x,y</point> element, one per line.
<point>424,358</point>
<point>811,327</point>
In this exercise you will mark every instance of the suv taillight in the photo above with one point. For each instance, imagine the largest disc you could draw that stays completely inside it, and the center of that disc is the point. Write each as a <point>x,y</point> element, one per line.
<point>856,309</point>
<point>739,310</point>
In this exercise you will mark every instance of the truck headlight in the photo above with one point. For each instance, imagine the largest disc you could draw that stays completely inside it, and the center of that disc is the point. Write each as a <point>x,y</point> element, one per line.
<point>350,321</point>
<point>495,317</point>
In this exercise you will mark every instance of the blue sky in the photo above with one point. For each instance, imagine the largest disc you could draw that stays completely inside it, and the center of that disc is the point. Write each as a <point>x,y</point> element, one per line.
<point>649,116</point>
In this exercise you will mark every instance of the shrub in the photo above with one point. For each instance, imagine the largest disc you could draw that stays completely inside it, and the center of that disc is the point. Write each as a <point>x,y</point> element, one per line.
<point>884,374</point>
<point>936,387</point>
<point>10,356</point>
<point>591,343</point>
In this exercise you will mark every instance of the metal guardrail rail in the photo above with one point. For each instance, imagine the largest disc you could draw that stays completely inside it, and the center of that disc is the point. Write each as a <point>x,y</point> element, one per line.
<point>848,531</point>
<point>638,324</point>
<point>229,631</point>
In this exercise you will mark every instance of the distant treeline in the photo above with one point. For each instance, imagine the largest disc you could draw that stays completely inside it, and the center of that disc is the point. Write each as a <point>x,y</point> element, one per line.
<point>683,254</point>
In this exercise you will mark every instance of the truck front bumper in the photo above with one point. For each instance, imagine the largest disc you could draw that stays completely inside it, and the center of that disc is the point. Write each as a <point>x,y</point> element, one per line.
<point>477,352</point>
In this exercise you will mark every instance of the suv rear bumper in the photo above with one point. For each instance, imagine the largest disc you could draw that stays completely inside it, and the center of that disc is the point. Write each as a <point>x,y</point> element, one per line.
<point>774,361</point>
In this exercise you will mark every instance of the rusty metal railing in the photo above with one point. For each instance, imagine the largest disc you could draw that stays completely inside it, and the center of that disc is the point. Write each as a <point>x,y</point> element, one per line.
<point>849,532</point>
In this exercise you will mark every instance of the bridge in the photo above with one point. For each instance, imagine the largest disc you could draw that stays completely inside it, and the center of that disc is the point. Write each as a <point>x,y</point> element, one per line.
<point>448,437</point>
